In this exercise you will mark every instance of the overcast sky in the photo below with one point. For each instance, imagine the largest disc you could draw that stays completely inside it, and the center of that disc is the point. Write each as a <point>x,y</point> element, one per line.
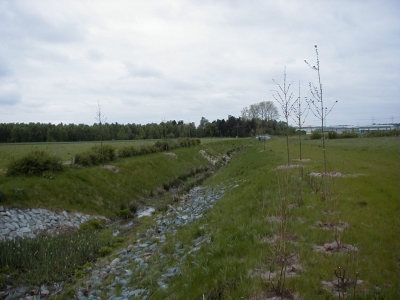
<point>149,61</point>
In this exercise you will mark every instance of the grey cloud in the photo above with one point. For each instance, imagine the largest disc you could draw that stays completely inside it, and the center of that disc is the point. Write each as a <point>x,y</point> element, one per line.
<point>95,55</point>
<point>20,23</point>
<point>10,92</point>
<point>4,69</point>
<point>142,71</point>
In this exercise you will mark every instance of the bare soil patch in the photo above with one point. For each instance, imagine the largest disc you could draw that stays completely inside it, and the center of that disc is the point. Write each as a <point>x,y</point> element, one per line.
<point>111,168</point>
<point>293,268</point>
<point>340,287</point>
<point>276,237</point>
<point>282,167</point>
<point>340,226</point>
<point>334,174</point>
<point>171,154</point>
<point>329,248</point>
<point>330,212</point>
<point>273,219</point>
<point>302,160</point>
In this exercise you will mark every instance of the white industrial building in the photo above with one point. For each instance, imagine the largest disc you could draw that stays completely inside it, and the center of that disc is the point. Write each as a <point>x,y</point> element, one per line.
<point>351,128</point>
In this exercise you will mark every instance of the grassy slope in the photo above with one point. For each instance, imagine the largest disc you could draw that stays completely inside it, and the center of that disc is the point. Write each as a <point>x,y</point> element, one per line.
<point>96,190</point>
<point>62,149</point>
<point>237,225</point>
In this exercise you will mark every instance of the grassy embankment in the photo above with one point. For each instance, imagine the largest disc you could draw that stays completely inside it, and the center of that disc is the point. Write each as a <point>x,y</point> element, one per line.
<point>239,225</point>
<point>96,190</point>
<point>92,190</point>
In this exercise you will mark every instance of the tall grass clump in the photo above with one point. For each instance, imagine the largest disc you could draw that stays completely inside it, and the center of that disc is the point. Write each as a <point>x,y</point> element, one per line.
<point>48,258</point>
<point>34,163</point>
<point>96,155</point>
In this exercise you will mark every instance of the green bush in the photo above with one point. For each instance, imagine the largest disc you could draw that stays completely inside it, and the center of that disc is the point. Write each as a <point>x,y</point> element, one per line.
<point>147,149</point>
<point>34,163</point>
<point>83,159</point>
<point>92,224</point>
<point>96,155</point>
<point>316,135</point>
<point>380,133</point>
<point>332,135</point>
<point>348,135</point>
<point>107,151</point>
<point>125,214</point>
<point>104,251</point>
<point>127,151</point>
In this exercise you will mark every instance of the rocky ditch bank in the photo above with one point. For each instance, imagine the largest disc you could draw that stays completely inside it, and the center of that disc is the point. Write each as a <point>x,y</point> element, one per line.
<point>138,270</point>
<point>28,223</point>
<point>131,274</point>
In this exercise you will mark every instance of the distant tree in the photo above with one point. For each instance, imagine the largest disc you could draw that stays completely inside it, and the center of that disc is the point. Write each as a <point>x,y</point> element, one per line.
<point>267,111</point>
<point>317,103</point>
<point>284,98</point>
<point>121,134</point>
<point>202,126</point>
<point>259,114</point>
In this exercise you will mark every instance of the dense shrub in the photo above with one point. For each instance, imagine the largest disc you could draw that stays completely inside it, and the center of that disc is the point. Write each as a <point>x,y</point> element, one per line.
<point>96,155</point>
<point>107,151</point>
<point>348,135</point>
<point>128,151</point>
<point>316,135</point>
<point>162,145</point>
<point>125,214</point>
<point>147,149</point>
<point>380,133</point>
<point>34,163</point>
<point>332,135</point>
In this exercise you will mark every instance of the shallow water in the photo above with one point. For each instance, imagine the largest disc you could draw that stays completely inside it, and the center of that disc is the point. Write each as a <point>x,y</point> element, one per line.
<point>145,212</point>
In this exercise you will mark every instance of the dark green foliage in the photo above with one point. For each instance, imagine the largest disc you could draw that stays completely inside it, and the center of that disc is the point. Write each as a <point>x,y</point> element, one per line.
<point>34,163</point>
<point>104,251</point>
<point>2,196</point>
<point>133,207</point>
<point>316,135</point>
<point>348,135</point>
<point>96,155</point>
<point>187,142</point>
<point>107,151</point>
<point>332,135</point>
<point>128,151</point>
<point>165,145</point>
<point>125,213</point>
<point>379,133</point>
<point>92,224</point>
<point>162,145</point>
<point>46,258</point>
<point>147,149</point>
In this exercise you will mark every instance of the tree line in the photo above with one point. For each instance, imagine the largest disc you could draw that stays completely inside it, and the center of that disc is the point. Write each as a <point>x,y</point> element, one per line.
<point>254,120</point>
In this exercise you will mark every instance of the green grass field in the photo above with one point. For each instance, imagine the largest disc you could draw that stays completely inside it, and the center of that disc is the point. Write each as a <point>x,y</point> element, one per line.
<point>64,150</point>
<point>232,265</point>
